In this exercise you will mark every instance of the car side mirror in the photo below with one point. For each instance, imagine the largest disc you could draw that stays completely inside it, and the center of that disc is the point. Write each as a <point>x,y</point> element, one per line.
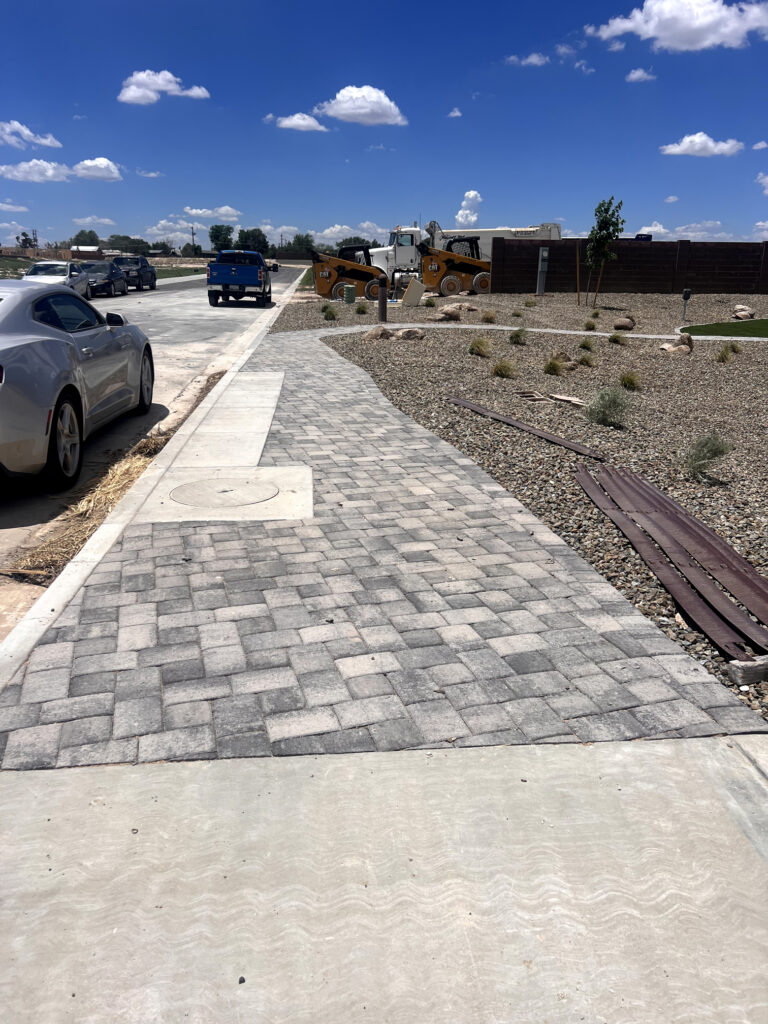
<point>115,320</point>
<point>275,268</point>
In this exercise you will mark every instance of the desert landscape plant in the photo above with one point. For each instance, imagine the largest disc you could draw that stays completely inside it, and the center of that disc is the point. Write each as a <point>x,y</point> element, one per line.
<point>587,344</point>
<point>586,360</point>
<point>705,451</point>
<point>430,302</point>
<point>361,308</point>
<point>590,325</point>
<point>480,347</point>
<point>553,367</point>
<point>329,314</point>
<point>735,347</point>
<point>518,337</point>
<point>617,339</point>
<point>505,368</point>
<point>516,312</point>
<point>724,355</point>
<point>608,407</point>
<point>488,317</point>
<point>529,303</point>
<point>325,307</point>
<point>630,381</point>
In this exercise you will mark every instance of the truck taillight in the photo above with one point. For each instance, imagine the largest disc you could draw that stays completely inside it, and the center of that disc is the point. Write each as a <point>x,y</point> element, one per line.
<point>208,273</point>
<point>261,276</point>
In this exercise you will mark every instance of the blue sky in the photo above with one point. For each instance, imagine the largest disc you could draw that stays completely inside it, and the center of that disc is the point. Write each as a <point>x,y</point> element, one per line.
<point>351,119</point>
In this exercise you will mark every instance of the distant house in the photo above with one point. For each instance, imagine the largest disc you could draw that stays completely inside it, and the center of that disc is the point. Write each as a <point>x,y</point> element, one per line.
<point>86,252</point>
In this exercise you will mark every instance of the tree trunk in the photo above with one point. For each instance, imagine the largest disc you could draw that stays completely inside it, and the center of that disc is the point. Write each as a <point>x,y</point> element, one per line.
<point>597,287</point>
<point>589,281</point>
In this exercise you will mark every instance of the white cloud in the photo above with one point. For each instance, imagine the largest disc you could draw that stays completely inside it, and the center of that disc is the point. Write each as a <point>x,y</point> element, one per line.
<point>654,229</point>
<point>301,123</point>
<point>761,230</point>
<point>640,75</point>
<point>225,213</point>
<point>98,169</point>
<point>467,214</point>
<point>79,117</point>
<point>581,65</point>
<point>671,199</point>
<point>333,234</point>
<point>369,229</point>
<point>564,50</point>
<point>533,60</point>
<point>362,104</point>
<point>760,145</point>
<point>35,171</point>
<point>17,135</point>
<point>455,112</point>
<point>700,144</point>
<point>13,228</point>
<point>149,174</point>
<point>175,229</point>
<point>286,231</point>
<point>703,231</point>
<point>762,179</point>
<point>145,87</point>
<point>268,118</point>
<point>616,46</point>
<point>680,25</point>
<point>89,222</point>
<point>11,207</point>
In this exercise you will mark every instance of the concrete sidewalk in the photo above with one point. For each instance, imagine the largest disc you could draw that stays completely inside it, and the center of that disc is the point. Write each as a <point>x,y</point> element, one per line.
<point>309,571</point>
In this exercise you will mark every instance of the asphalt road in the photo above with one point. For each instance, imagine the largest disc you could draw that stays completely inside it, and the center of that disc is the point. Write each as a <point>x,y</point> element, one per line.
<point>189,338</point>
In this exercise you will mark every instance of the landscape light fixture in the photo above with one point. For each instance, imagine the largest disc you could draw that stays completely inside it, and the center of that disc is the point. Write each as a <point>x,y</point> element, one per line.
<point>686,298</point>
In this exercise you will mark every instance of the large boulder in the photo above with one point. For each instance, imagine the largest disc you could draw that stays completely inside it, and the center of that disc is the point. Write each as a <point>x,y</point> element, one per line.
<point>380,333</point>
<point>461,307</point>
<point>743,314</point>
<point>626,323</point>
<point>445,315</point>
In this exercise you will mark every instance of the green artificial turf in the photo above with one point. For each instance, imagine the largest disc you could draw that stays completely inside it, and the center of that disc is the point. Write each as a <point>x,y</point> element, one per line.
<point>733,329</point>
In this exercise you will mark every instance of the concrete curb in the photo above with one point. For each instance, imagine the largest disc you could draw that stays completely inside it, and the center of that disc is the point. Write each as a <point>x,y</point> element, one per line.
<point>19,643</point>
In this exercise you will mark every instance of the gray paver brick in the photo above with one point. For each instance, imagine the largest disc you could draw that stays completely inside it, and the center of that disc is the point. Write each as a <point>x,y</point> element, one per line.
<point>366,711</point>
<point>535,718</point>
<point>86,730</point>
<point>178,744</point>
<point>106,752</point>
<point>244,744</point>
<point>615,725</point>
<point>182,716</point>
<point>70,708</point>
<point>437,720</point>
<point>309,722</point>
<point>673,714</point>
<point>48,685</point>
<point>396,734</point>
<point>37,747</point>
<point>289,698</point>
<point>365,664</point>
<point>136,717</point>
<point>261,680</point>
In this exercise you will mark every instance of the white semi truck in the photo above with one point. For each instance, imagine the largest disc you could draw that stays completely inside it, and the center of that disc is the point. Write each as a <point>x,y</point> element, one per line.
<point>485,236</point>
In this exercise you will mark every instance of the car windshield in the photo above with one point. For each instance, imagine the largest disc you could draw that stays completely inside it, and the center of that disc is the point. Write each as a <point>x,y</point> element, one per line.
<point>126,261</point>
<point>48,269</point>
<point>96,268</point>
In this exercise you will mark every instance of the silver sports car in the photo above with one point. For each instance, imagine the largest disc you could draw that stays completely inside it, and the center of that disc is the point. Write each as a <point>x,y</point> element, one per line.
<point>64,370</point>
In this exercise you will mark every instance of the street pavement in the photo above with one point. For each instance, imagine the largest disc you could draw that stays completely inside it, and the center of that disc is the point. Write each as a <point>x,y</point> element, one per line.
<point>306,571</point>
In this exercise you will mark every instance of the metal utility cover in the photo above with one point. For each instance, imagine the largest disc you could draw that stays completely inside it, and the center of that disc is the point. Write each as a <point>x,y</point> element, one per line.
<point>223,493</point>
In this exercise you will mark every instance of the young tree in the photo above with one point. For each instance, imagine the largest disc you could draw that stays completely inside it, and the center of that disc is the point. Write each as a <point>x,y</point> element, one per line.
<point>188,250</point>
<point>300,245</point>
<point>220,236</point>
<point>25,241</point>
<point>253,239</point>
<point>607,228</point>
<point>125,243</point>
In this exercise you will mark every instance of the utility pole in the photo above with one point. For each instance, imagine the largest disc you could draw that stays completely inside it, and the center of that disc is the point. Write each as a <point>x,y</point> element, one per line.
<point>193,241</point>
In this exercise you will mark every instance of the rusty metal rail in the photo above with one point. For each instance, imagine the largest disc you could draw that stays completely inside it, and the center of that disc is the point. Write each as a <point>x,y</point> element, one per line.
<point>545,435</point>
<point>693,605</point>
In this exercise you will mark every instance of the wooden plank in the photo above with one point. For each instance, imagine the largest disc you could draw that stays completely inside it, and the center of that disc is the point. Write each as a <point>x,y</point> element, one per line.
<point>574,446</point>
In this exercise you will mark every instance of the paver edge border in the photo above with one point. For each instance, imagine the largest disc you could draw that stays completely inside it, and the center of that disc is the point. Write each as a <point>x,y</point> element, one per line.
<point>19,643</point>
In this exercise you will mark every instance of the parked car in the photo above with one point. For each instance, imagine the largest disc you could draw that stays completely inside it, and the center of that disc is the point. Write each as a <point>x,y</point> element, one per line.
<point>139,272</point>
<point>61,272</point>
<point>64,370</point>
<point>106,278</point>
<point>238,274</point>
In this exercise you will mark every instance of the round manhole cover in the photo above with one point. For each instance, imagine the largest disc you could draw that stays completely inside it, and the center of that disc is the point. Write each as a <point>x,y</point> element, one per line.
<point>223,493</point>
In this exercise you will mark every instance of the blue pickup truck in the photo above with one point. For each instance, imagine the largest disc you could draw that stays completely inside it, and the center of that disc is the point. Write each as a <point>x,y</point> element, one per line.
<point>238,274</point>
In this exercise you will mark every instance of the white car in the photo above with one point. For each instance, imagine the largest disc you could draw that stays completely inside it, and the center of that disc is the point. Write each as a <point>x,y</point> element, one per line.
<point>64,371</point>
<point>61,272</point>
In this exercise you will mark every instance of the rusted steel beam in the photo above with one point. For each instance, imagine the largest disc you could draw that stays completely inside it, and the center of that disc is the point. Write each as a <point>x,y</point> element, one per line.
<point>720,560</point>
<point>620,490</point>
<point>692,604</point>
<point>574,446</point>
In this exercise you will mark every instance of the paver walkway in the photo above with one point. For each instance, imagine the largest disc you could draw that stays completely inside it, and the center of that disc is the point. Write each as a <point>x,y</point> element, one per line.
<point>422,605</point>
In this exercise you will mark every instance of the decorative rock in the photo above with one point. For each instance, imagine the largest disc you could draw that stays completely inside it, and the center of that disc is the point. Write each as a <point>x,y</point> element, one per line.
<point>410,334</point>
<point>625,324</point>
<point>676,350</point>
<point>379,333</point>
<point>462,307</point>
<point>744,314</point>
<point>687,339</point>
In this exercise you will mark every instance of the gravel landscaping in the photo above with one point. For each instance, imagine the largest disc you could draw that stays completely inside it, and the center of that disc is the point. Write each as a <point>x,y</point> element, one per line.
<point>680,398</point>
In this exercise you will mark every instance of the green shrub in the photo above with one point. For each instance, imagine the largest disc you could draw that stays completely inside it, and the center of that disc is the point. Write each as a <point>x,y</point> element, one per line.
<point>608,407</point>
<point>735,347</point>
<point>488,317</point>
<point>505,368</point>
<point>516,312</point>
<point>553,367</point>
<point>518,337</point>
<point>481,347</point>
<point>586,360</point>
<point>329,314</point>
<point>587,344</point>
<point>630,381</point>
<point>361,308</point>
<point>617,339</point>
<point>703,452</point>
<point>325,307</point>
<point>590,325</point>
<point>724,355</point>
<point>430,302</point>
<point>529,303</point>
<point>595,314</point>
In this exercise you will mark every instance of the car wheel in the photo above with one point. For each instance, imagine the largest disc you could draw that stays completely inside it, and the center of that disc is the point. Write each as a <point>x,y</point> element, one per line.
<point>65,443</point>
<point>224,297</point>
<point>88,293</point>
<point>450,285</point>
<point>146,383</point>
<point>111,289</point>
<point>213,298</point>
<point>125,287</point>
<point>153,284</point>
<point>337,292</point>
<point>140,285</point>
<point>269,295</point>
